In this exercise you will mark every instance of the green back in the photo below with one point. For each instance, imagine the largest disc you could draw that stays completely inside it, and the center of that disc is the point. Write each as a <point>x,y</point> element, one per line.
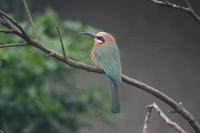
<point>109,60</point>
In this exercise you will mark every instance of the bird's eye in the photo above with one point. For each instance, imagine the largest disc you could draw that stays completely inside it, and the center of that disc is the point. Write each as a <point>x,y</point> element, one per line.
<point>101,38</point>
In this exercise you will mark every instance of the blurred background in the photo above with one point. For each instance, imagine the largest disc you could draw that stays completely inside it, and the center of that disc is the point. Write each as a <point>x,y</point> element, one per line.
<point>158,45</point>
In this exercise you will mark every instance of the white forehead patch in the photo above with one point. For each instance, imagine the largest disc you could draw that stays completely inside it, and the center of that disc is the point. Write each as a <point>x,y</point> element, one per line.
<point>101,33</point>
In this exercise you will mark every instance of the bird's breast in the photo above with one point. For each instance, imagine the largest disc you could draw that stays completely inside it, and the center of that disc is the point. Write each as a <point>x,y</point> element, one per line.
<point>93,57</point>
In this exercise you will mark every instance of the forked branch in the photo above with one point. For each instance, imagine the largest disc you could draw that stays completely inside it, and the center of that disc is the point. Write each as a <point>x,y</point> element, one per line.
<point>162,115</point>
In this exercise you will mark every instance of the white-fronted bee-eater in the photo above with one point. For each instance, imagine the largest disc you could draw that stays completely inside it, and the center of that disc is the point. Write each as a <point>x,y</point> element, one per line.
<point>106,56</point>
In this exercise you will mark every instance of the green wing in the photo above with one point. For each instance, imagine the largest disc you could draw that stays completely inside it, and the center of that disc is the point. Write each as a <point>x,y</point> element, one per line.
<point>108,57</point>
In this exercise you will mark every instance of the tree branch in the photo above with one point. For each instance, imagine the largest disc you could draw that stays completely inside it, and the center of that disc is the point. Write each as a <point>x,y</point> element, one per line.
<point>147,120</point>
<point>13,45</point>
<point>30,18</point>
<point>169,122</point>
<point>138,84</point>
<point>61,42</point>
<point>187,9</point>
<point>10,31</point>
<point>189,5</point>
<point>20,31</point>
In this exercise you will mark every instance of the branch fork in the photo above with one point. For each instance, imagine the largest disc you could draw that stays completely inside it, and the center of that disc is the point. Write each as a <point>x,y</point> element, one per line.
<point>188,9</point>
<point>163,116</point>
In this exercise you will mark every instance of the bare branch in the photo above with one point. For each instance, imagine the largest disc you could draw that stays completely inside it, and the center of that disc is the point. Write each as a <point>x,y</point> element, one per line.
<point>30,18</point>
<point>169,122</point>
<point>147,120</point>
<point>188,9</point>
<point>13,45</point>
<point>61,42</point>
<point>189,5</point>
<point>7,31</point>
<point>2,20</point>
<point>12,31</point>
<point>22,32</point>
<point>138,84</point>
<point>171,5</point>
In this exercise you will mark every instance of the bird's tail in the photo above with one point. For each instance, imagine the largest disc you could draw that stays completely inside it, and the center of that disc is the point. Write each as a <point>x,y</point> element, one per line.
<point>114,92</point>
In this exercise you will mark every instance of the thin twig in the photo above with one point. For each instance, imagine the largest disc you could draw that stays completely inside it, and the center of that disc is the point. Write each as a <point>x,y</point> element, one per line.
<point>13,45</point>
<point>188,9</point>
<point>138,84</point>
<point>189,5</point>
<point>192,12</point>
<point>7,31</point>
<point>169,122</point>
<point>147,120</point>
<point>2,20</point>
<point>171,5</point>
<point>61,42</point>
<point>12,31</point>
<point>30,18</point>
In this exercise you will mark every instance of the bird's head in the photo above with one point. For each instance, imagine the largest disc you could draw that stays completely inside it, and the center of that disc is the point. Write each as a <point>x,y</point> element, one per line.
<point>100,37</point>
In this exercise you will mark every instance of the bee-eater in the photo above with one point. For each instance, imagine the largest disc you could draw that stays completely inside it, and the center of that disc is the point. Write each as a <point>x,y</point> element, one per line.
<point>105,55</point>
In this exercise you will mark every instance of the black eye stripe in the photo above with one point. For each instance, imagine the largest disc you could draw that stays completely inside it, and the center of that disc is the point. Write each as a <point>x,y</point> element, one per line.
<point>101,38</point>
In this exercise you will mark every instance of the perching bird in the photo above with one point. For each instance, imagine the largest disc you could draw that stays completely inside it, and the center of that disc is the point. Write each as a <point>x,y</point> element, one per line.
<point>105,54</point>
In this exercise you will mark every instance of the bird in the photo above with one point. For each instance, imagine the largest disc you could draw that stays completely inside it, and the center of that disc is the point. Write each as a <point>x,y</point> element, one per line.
<point>106,56</point>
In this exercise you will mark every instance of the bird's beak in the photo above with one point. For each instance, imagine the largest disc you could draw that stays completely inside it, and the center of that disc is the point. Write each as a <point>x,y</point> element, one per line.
<point>89,34</point>
<point>99,38</point>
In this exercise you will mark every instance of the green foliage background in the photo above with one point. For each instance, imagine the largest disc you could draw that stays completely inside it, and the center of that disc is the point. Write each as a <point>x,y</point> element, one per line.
<point>37,93</point>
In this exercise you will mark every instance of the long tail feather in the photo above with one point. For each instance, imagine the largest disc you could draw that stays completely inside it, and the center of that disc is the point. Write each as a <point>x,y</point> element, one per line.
<point>114,92</point>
